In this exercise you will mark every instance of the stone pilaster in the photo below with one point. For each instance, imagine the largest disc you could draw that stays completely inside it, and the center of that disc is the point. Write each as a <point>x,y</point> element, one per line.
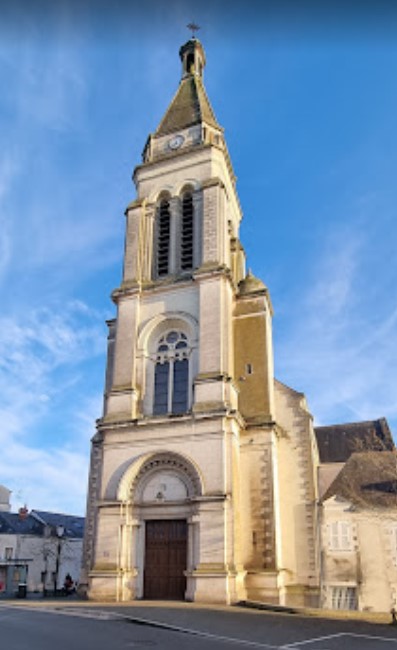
<point>94,486</point>
<point>138,243</point>
<point>212,251</point>
<point>122,401</point>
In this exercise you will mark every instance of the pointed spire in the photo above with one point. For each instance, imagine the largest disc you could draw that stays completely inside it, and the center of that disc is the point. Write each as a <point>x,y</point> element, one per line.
<point>190,104</point>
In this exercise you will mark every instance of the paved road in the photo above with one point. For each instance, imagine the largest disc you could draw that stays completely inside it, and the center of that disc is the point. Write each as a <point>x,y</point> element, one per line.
<point>78,627</point>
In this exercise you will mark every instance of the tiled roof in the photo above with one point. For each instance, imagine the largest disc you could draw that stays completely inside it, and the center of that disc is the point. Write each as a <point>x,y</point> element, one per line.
<point>368,479</point>
<point>189,106</point>
<point>337,442</point>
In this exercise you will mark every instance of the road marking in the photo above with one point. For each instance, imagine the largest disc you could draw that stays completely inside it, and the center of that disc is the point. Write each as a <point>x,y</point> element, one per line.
<point>335,636</point>
<point>368,636</point>
<point>313,640</point>
<point>199,633</point>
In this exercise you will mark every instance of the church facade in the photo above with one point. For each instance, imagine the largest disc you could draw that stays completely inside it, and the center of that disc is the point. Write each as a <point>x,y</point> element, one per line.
<point>203,479</point>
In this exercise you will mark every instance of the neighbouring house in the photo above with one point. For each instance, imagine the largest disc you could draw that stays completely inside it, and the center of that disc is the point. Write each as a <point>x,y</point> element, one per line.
<point>38,549</point>
<point>357,478</point>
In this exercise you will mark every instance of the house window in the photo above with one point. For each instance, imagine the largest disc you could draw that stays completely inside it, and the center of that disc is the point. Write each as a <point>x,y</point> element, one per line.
<point>340,536</point>
<point>8,553</point>
<point>171,375</point>
<point>343,597</point>
<point>187,232</point>
<point>163,238</point>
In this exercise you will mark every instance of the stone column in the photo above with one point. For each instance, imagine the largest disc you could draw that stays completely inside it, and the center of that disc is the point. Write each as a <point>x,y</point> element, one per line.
<point>128,559</point>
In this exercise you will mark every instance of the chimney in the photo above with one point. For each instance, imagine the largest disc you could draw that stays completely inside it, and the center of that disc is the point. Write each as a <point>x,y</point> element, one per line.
<point>23,512</point>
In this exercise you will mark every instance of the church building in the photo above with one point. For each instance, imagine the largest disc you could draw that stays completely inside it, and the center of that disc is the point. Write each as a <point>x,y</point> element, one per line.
<point>203,479</point>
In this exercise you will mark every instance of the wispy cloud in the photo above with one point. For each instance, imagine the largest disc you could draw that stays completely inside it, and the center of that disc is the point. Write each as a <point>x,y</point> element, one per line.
<point>45,78</point>
<point>339,348</point>
<point>8,170</point>
<point>41,357</point>
<point>333,289</point>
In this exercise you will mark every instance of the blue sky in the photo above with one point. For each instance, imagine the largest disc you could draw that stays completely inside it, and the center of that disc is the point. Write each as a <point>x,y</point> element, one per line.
<point>306,93</point>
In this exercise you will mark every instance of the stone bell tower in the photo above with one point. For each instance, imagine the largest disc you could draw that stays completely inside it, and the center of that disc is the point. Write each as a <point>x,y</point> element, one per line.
<point>181,502</point>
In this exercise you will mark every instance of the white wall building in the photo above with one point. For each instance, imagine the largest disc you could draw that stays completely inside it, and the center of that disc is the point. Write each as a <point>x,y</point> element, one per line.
<point>39,549</point>
<point>359,534</point>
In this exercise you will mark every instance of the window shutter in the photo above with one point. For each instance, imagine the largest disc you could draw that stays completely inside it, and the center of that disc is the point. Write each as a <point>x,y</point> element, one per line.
<point>334,529</point>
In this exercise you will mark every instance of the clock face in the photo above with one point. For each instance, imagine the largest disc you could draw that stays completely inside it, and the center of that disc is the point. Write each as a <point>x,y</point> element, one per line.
<point>176,142</point>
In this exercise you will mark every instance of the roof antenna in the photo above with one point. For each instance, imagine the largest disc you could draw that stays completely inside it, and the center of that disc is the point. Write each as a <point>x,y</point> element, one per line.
<point>194,28</point>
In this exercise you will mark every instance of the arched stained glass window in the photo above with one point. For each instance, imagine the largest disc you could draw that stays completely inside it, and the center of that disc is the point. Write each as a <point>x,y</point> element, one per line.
<point>171,375</point>
<point>187,232</point>
<point>163,238</point>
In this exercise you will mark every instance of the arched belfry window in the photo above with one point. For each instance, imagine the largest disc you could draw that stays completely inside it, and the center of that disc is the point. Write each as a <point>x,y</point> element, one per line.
<point>171,374</point>
<point>190,63</point>
<point>163,237</point>
<point>187,232</point>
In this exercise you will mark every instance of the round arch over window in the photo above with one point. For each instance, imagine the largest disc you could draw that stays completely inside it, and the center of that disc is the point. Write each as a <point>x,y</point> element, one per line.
<point>171,374</point>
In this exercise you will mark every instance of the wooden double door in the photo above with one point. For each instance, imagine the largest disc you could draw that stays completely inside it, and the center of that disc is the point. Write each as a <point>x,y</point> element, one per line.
<point>165,559</point>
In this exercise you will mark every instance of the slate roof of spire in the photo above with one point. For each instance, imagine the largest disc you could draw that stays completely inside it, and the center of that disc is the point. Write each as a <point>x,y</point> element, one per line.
<point>189,106</point>
<point>337,442</point>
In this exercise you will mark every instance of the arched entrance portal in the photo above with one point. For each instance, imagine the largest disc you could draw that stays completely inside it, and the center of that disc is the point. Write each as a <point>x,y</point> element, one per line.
<point>163,507</point>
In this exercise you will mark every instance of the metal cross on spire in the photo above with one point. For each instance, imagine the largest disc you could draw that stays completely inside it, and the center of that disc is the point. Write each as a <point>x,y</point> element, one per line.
<point>194,28</point>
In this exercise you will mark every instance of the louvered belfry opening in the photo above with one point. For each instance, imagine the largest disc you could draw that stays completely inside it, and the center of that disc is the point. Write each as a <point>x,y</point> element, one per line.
<point>163,238</point>
<point>187,232</point>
